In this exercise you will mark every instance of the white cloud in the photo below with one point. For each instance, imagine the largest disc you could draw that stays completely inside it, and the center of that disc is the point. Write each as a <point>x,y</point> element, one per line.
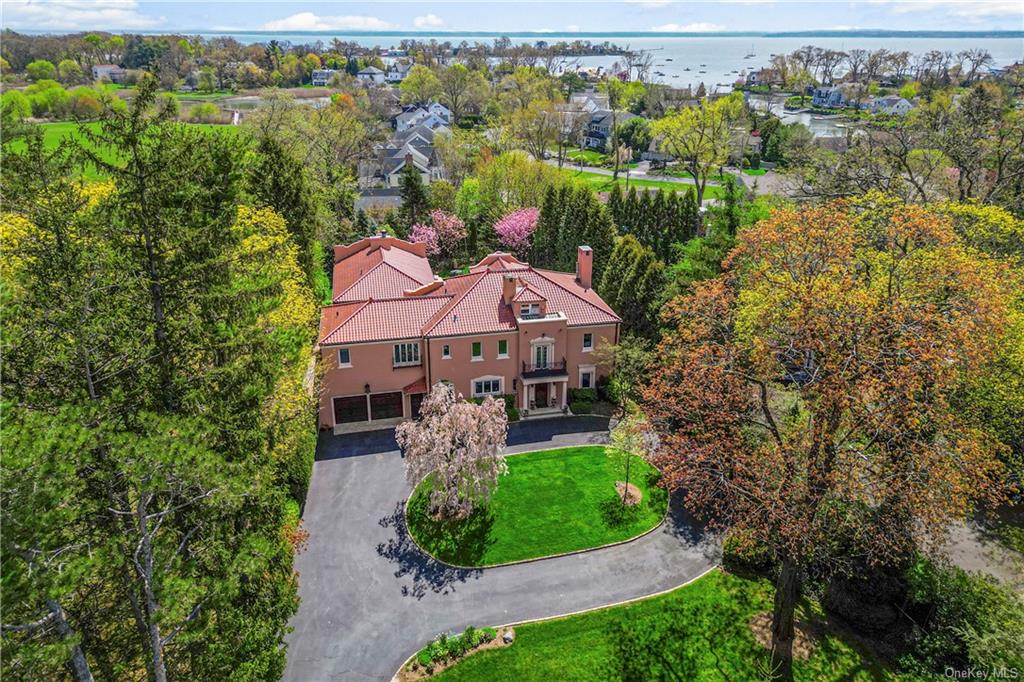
<point>650,4</point>
<point>73,15</point>
<point>428,21</point>
<point>697,27</point>
<point>572,28</point>
<point>307,21</point>
<point>959,8</point>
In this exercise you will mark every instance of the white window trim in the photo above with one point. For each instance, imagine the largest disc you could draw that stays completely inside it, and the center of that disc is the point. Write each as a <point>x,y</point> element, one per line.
<point>345,365</point>
<point>444,355</point>
<point>476,358</point>
<point>502,356</point>
<point>409,363</point>
<point>583,369</point>
<point>489,377</point>
<point>583,341</point>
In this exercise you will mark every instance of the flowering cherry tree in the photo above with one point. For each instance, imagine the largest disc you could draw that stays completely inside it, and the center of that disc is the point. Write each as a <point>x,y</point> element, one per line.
<point>443,236</point>
<point>516,228</point>
<point>461,444</point>
<point>425,234</point>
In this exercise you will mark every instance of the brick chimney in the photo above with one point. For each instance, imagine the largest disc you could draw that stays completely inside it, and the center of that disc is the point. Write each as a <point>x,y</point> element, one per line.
<point>508,288</point>
<point>585,266</point>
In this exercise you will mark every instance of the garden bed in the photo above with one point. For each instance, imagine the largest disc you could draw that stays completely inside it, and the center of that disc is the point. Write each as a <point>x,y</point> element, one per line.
<point>550,502</point>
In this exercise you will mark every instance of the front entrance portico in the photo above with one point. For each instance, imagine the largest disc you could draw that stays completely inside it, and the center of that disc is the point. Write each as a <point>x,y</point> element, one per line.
<point>547,394</point>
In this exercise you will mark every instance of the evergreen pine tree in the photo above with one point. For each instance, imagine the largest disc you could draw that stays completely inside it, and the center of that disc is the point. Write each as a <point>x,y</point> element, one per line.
<point>415,203</point>
<point>630,212</point>
<point>641,226</point>
<point>545,236</point>
<point>600,237</point>
<point>615,206</point>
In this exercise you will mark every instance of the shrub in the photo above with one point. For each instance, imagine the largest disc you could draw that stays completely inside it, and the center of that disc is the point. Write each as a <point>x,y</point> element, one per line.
<point>205,112</point>
<point>13,103</point>
<point>581,406</point>
<point>742,552</point>
<point>967,620</point>
<point>588,395</point>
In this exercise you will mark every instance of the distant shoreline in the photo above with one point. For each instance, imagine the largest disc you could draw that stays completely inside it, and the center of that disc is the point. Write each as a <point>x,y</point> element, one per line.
<point>860,33</point>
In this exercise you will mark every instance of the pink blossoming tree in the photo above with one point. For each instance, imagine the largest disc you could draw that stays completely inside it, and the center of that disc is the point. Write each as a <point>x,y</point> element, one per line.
<point>515,229</point>
<point>460,444</point>
<point>445,234</point>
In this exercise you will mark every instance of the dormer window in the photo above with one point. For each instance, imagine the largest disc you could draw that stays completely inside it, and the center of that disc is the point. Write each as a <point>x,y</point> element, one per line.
<point>528,309</point>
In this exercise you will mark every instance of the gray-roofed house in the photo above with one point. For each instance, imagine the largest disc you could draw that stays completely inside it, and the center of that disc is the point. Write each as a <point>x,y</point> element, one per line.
<point>371,74</point>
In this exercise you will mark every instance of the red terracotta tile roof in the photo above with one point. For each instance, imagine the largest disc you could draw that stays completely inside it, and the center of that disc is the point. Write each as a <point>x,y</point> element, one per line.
<point>528,294</point>
<point>372,304</point>
<point>397,318</point>
<point>403,262</point>
<point>480,309</point>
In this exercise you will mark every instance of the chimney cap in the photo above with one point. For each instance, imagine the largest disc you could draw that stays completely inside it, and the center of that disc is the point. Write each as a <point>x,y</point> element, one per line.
<point>585,248</point>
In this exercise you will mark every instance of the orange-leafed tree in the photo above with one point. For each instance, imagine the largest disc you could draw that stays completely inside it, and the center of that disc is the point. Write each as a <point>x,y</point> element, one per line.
<point>802,397</point>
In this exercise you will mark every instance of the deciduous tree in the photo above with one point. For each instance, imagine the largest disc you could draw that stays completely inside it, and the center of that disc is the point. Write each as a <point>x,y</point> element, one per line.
<point>804,396</point>
<point>460,445</point>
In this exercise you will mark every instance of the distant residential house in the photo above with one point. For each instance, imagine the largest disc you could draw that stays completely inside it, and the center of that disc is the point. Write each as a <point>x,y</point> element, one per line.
<point>764,77</point>
<point>397,71</point>
<point>434,115</point>
<point>378,198</point>
<point>413,146</point>
<point>655,153</point>
<point>589,101</point>
<point>599,128</point>
<point>112,72</point>
<point>322,77</point>
<point>893,106</point>
<point>371,74</point>
<point>828,98</point>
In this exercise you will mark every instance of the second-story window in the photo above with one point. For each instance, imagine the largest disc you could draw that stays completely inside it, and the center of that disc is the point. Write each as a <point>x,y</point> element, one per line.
<point>344,358</point>
<point>407,354</point>
<point>503,348</point>
<point>588,342</point>
<point>446,352</point>
<point>478,350</point>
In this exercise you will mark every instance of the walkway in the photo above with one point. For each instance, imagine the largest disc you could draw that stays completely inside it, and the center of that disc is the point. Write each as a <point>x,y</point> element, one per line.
<point>370,598</point>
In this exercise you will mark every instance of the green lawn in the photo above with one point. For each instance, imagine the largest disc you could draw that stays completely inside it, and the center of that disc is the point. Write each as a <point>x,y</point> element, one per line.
<point>53,133</point>
<point>603,183</point>
<point>699,632</point>
<point>549,502</point>
<point>754,171</point>
<point>588,156</point>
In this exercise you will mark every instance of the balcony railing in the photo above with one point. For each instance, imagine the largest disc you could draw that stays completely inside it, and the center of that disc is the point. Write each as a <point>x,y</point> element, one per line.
<point>546,369</point>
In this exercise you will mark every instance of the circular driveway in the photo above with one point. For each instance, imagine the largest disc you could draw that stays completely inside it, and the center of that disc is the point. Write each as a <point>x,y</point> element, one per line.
<point>370,597</point>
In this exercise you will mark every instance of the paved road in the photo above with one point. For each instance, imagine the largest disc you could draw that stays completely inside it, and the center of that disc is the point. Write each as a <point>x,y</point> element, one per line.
<point>369,597</point>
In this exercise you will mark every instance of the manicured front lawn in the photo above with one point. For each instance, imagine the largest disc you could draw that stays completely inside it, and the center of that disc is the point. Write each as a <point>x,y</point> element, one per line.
<point>588,156</point>
<point>698,632</point>
<point>754,171</point>
<point>603,183</point>
<point>549,502</point>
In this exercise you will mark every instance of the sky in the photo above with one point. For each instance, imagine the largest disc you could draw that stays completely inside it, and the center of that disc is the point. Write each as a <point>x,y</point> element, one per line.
<point>531,15</point>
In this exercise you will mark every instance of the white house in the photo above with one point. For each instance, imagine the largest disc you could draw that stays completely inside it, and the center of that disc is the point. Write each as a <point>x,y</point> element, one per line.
<point>397,71</point>
<point>111,72</point>
<point>434,115</point>
<point>322,77</point>
<point>893,106</point>
<point>371,74</point>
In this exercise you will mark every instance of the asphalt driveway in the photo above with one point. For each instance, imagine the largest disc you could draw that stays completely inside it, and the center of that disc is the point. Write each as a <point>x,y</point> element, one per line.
<point>370,598</point>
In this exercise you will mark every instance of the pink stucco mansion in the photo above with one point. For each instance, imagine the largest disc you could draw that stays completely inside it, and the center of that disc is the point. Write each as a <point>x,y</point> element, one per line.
<point>395,329</point>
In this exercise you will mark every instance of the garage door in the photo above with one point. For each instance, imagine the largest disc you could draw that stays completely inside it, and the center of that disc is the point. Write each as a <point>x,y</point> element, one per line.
<point>386,405</point>
<point>351,409</point>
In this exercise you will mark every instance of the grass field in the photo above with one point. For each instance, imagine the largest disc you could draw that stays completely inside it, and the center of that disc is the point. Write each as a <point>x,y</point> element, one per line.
<point>54,133</point>
<point>549,502</point>
<point>754,171</point>
<point>697,632</point>
<point>603,183</point>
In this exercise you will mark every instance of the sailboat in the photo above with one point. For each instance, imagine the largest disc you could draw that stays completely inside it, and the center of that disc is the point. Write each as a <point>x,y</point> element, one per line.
<point>750,55</point>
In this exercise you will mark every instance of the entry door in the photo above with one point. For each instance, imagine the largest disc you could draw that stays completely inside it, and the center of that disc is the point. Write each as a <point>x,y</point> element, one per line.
<point>540,395</point>
<point>541,356</point>
<point>415,401</point>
